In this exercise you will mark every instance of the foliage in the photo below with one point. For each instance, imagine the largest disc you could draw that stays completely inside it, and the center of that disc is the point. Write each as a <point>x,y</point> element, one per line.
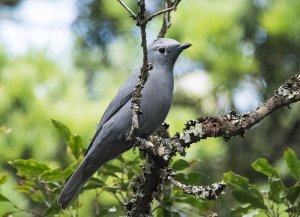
<point>41,183</point>
<point>276,199</point>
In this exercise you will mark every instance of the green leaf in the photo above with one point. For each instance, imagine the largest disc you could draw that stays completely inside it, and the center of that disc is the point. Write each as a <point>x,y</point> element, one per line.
<point>159,212</point>
<point>180,165</point>
<point>193,178</point>
<point>52,210</point>
<point>26,187</point>
<point>235,180</point>
<point>113,168</point>
<point>293,193</point>
<point>3,179</point>
<point>181,177</point>
<point>262,165</point>
<point>3,198</point>
<point>238,211</point>
<point>276,191</point>
<point>62,130</point>
<point>76,145</point>
<point>184,198</point>
<point>52,175</point>
<point>37,196</point>
<point>94,183</point>
<point>9,214</point>
<point>31,190</point>
<point>29,168</point>
<point>175,214</point>
<point>292,162</point>
<point>112,189</point>
<point>249,197</point>
<point>107,172</point>
<point>103,213</point>
<point>58,175</point>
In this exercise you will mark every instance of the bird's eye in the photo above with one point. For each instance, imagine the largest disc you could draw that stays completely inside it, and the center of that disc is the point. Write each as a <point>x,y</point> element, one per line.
<point>161,50</point>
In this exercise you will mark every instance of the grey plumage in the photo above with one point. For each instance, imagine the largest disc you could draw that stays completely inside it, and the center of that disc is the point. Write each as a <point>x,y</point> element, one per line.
<point>109,139</point>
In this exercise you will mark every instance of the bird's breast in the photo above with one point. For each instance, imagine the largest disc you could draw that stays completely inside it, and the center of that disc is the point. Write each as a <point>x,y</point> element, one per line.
<point>155,103</point>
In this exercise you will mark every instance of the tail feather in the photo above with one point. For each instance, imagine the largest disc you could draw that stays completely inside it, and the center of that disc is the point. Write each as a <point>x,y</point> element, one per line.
<point>76,182</point>
<point>92,162</point>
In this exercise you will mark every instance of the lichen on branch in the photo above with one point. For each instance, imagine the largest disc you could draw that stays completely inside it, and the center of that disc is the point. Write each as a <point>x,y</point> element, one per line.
<point>234,124</point>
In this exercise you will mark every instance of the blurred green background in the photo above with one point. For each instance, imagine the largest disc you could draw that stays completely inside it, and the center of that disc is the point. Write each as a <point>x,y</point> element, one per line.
<point>66,59</point>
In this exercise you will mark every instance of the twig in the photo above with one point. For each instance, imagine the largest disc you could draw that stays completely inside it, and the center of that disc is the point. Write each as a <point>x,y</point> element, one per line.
<point>96,203</point>
<point>77,208</point>
<point>174,7</point>
<point>166,24</point>
<point>118,199</point>
<point>136,95</point>
<point>132,14</point>
<point>71,213</point>
<point>204,192</point>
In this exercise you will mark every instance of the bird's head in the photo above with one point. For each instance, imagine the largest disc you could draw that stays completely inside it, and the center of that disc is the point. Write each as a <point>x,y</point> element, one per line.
<point>164,52</point>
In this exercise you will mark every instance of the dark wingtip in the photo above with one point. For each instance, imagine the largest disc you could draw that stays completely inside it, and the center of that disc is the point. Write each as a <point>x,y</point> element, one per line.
<point>64,206</point>
<point>63,203</point>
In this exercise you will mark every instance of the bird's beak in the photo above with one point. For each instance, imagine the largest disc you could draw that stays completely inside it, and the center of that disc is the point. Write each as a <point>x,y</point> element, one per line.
<point>184,46</point>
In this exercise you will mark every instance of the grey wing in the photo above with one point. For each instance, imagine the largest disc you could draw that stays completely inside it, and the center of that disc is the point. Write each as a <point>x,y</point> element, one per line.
<point>121,98</point>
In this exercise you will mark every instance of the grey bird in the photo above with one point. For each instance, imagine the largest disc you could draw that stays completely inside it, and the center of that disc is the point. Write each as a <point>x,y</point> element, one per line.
<point>109,140</point>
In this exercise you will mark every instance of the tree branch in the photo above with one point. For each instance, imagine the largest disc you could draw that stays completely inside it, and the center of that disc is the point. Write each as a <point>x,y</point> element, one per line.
<point>147,186</point>
<point>166,24</point>
<point>235,124</point>
<point>165,11</point>
<point>136,95</point>
<point>132,14</point>
<point>204,192</point>
<point>156,172</point>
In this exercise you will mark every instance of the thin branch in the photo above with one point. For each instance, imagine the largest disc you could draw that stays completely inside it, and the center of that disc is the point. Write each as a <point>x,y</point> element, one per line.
<point>174,7</point>
<point>96,203</point>
<point>132,14</point>
<point>121,203</point>
<point>235,124</point>
<point>166,24</point>
<point>136,95</point>
<point>204,192</point>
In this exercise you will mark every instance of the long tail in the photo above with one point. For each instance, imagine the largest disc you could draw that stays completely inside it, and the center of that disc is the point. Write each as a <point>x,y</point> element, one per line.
<point>77,181</point>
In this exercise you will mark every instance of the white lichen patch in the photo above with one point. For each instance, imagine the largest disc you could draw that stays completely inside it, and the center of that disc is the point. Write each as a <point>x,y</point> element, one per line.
<point>149,144</point>
<point>163,152</point>
<point>293,94</point>
<point>195,131</point>
<point>201,192</point>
